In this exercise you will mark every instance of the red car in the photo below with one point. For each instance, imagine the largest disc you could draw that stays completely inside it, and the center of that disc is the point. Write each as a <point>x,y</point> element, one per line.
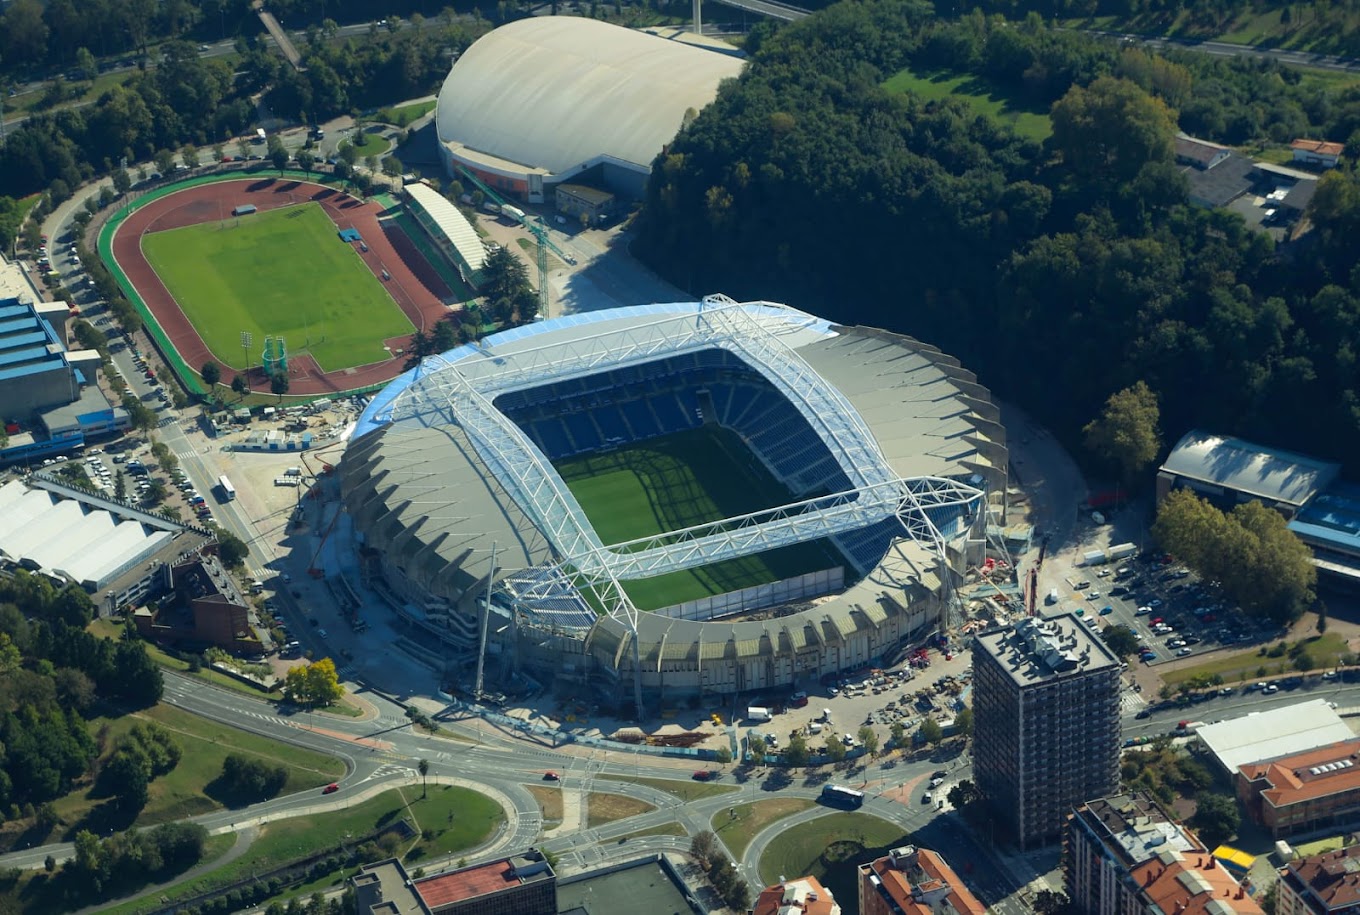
<point>704,775</point>
<point>551,776</point>
<point>330,789</point>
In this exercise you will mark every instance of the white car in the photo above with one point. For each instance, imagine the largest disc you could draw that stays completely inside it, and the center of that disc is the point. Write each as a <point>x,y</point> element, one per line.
<point>1142,611</point>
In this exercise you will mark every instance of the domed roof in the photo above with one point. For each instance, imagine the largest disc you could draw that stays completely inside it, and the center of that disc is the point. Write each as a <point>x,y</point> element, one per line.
<point>554,92</point>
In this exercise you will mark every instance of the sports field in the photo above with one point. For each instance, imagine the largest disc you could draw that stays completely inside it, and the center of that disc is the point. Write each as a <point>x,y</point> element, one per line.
<point>678,481</point>
<point>285,273</point>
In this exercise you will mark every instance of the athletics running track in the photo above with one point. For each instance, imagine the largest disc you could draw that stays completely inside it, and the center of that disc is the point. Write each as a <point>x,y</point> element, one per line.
<point>412,283</point>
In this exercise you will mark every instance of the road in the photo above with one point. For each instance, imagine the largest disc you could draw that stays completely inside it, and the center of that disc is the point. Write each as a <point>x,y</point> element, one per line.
<point>1227,49</point>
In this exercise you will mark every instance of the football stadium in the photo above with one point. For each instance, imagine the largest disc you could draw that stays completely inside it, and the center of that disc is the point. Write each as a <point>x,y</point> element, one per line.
<point>669,501</point>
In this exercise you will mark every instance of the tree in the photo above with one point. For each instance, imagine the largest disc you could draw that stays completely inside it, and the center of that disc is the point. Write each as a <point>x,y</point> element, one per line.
<point>248,780</point>
<point>835,750</point>
<point>931,732</point>
<point>1262,564</point>
<point>898,731</point>
<point>86,64</point>
<point>1121,640</point>
<point>963,723</point>
<point>165,161</point>
<point>392,167</point>
<point>279,157</point>
<point>796,753</point>
<point>122,181</point>
<point>230,548</point>
<point>305,161</point>
<point>189,156</point>
<point>141,416</point>
<point>1321,618</point>
<point>722,756</point>
<point>1216,819</point>
<point>211,373</point>
<point>963,794</point>
<point>1126,433</point>
<point>1108,131</point>
<point>155,491</point>
<point>278,384</point>
<point>869,738</point>
<point>315,684</point>
<point>424,767</point>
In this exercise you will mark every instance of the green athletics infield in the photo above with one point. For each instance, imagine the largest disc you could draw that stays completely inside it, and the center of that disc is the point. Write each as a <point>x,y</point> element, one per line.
<point>281,273</point>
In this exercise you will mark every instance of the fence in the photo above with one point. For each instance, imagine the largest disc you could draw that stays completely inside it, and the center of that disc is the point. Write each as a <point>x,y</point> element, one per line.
<point>787,591</point>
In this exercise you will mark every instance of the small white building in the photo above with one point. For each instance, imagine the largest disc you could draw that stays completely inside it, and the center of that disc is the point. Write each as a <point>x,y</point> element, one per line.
<point>1317,153</point>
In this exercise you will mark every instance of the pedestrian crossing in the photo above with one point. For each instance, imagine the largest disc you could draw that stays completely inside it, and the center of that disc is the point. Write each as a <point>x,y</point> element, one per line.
<point>1129,701</point>
<point>184,455</point>
<point>347,672</point>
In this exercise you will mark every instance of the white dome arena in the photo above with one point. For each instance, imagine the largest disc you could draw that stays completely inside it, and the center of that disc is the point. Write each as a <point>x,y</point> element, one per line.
<point>541,100</point>
<point>885,450</point>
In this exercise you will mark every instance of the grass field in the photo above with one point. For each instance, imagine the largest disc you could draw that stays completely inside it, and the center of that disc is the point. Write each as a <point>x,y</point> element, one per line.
<point>1323,651</point>
<point>750,819</point>
<point>677,481</point>
<point>606,808</point>
<point>187,789</point>
<point>984,97</point>
<point>829,848</point>
<point>404,114</point>
<point>279,273</point>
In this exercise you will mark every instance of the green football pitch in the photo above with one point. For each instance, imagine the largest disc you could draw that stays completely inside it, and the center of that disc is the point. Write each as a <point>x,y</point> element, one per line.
<point>281,273</point>
<point>678,481</point>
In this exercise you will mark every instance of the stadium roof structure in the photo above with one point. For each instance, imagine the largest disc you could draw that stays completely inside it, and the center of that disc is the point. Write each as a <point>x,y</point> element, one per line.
<point>75,540</point>
<point>1280,477</point>
<point>452,223</point>
<point>1271,734</point>
<point>555,93</point>
<point>438,476</point>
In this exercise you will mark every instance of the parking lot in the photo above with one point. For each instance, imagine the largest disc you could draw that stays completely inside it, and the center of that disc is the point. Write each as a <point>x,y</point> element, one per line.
<point>1171,612</point>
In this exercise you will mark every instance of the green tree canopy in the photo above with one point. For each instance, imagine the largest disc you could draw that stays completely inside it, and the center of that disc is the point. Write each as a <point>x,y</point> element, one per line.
<point>1111,130</point>
<point>1127,432</point>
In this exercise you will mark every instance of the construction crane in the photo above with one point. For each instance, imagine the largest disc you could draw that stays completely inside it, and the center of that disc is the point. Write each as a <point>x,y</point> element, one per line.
<point>536,229</point>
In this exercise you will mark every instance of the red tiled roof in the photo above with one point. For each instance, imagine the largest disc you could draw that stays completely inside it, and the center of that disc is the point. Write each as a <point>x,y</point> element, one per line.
<point>1293,778</point>
<point>1332,876</point>
<point>1321,147</point>
<point>771,899</point>
<point>466,884</point>
<point>938,873</point>
<point>1194,885</point>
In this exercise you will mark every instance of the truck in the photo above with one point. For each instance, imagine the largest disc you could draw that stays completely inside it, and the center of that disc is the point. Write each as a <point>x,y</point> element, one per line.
<point>513,212</point>
<point>259,134</point>
<point>758,713</point>
<point>1052,597</point>
<point>1109,554</point>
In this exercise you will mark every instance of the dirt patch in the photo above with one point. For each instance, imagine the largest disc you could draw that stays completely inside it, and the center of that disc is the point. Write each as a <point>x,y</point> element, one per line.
<point>549,801</point>
<point>606,808</point>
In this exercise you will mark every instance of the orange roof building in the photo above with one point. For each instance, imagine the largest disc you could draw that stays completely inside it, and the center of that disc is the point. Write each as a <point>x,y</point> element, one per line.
<point>1193,884</point>
<point>1325,884</point>
<point>914,881</point>
<point>1317,152</point>
<point>804,896</point>
<point>1304,791</point>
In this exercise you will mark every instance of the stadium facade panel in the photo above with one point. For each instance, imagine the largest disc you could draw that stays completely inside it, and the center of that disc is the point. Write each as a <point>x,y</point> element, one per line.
<point>885,453</point>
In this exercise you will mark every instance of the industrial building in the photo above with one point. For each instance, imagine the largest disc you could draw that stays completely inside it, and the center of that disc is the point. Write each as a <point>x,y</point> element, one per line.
<point>1125,855</point>
<point>914,881</point>
<point>549,99</point>
<point>1323,510</point>
<point>523,884</point>
<point>50,400</point>
<point>1322,884</point>
<point>112,549</point>
<point>825,409</point>
<point>1272,734</point>
<point>1045,723</point>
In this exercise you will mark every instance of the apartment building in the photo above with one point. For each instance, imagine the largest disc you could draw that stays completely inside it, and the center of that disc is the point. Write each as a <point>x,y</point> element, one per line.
<point>1325,884</point>
<point>1045,724</point>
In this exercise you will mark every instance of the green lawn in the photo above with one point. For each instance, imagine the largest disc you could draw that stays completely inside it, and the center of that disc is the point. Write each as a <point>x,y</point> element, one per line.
<point>280,273</point>
<point>404,114</point>
<point>983,96</point>
<point>749,820</point>
<point>374,145</point>
<point>677,481</point>
<point>187,790</point>
<point>1324,651</point>
<point>829,848</point>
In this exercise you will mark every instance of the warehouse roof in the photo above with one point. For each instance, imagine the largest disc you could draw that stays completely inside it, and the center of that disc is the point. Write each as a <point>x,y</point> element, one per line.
<point>559,91</point>
<point>452,223</point>
<point>70,538</point>
<point>1266,473</point>
<point>1274,733</point>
